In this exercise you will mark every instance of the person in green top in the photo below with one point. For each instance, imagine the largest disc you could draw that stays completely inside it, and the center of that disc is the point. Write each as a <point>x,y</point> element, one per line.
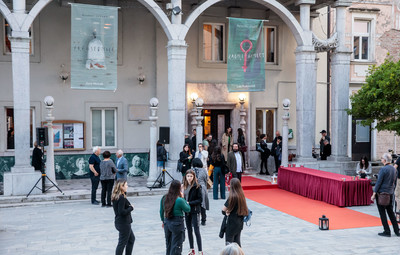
<point>172,209</point>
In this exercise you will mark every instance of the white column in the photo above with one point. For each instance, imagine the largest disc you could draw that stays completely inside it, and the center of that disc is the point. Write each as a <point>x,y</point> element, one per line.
<point>193,124</point>
<point>176,19</point>
<point>340,66</point>
<point>285,132</point>
<point>50,149</point>
<point>19,6</point>
<point>305,13</point>
<point>176,95</point>
<point>305,103</point>
<point>153,169</point>
<point>22,177</point>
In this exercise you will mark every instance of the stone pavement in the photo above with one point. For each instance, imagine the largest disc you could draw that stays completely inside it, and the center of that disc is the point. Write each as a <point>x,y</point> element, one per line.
<point>77,227</point>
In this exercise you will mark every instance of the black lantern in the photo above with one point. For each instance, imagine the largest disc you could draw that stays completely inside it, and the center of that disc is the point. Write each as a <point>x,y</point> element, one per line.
<point>398,216</point>
<point>324,223</point>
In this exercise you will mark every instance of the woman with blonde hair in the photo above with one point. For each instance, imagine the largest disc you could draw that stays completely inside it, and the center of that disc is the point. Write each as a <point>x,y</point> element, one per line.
<point>232,249</point>
<point>227,142</point>
<point>193,195</point>
<point>123,219</point>
<point>235,208</point>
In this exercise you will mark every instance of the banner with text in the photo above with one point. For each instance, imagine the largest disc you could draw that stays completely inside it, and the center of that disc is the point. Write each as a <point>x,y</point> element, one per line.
<point>94,43</point>
<point>246,65</point>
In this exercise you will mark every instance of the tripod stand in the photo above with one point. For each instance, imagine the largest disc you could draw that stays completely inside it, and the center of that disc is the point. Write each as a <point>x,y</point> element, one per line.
<point>161,178</point>
<point>43,177</point>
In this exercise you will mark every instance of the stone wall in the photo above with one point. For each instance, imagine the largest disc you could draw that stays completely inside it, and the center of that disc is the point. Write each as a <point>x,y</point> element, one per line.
<point>385,141</point>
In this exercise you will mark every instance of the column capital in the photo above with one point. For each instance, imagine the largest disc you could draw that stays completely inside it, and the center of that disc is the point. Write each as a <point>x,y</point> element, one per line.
<point>20,44</point>
<point>342,3</point>
<point>300,2</point>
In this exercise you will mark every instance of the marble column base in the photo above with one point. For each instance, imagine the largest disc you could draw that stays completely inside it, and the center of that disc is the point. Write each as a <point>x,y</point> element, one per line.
<point>19,184</point>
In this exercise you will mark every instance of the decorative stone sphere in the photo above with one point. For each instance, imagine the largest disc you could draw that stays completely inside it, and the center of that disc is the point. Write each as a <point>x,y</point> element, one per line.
<point>199,102</point>
<point>286,102</point>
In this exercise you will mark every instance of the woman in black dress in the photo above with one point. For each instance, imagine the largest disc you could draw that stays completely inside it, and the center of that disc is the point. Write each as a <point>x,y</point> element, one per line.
<point>235,208</point>
<point>123,219</point>
<point>185,157</point>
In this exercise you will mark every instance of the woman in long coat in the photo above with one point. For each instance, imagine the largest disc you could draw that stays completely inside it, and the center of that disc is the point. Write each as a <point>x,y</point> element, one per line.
<point>227,142</point>
<point>202,177</point>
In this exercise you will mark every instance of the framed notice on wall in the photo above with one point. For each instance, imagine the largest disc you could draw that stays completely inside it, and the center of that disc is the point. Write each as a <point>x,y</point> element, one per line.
<point>68,134</point>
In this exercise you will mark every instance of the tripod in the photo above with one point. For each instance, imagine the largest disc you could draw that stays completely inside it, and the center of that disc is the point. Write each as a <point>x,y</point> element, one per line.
<point>161,178</point>
<point>43,177</point>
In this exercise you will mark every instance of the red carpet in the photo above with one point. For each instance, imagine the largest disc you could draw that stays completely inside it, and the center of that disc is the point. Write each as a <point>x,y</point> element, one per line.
<point>251,183</point>
<point>305,208</point>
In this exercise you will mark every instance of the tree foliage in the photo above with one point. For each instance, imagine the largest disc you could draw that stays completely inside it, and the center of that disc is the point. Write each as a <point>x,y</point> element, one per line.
<point>379,98</point>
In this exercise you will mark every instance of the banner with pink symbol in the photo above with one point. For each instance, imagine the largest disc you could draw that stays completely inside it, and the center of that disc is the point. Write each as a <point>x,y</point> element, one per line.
<point>246,58</point>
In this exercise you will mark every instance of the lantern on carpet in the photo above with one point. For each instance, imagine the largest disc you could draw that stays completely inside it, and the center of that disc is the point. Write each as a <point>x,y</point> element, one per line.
<point>274,179</point>
<point>323,223</point>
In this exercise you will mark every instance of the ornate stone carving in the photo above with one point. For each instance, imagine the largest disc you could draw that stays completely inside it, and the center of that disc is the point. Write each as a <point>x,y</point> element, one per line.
<point>325,45</point>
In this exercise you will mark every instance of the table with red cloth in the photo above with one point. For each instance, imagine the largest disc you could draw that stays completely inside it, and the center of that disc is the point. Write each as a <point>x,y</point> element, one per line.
<point>325,186</point>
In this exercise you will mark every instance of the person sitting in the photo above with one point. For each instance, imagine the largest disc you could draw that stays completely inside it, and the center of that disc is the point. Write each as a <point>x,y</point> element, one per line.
<point>364,169</point>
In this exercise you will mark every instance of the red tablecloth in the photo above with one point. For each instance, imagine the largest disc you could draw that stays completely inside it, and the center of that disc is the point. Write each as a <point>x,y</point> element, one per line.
<point>325,186</point>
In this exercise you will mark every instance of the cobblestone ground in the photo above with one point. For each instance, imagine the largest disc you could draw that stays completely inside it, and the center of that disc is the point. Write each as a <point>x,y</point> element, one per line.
<point>78,227</point>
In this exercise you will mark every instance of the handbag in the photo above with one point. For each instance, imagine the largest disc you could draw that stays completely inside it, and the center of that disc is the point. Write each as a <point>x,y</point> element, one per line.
<point>384,198</point>
<point>209,183</point>
<point>258,148</point>
<point>223,227</point>
<point>179,166</point>
<point>247,218</point>
<point>243,148</point>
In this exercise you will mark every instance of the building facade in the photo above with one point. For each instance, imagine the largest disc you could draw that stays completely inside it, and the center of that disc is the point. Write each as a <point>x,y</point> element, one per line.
<point>171,56</point>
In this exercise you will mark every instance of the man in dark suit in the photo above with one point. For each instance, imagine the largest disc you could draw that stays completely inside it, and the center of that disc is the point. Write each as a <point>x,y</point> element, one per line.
<point>122,166</point>
<point>235,162</point>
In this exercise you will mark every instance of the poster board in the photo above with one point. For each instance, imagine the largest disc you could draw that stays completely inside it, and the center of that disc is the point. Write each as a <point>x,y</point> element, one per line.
<point>68,134</point>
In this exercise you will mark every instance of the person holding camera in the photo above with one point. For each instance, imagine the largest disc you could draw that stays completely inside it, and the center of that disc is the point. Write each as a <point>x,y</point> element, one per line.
<point>172,209</point>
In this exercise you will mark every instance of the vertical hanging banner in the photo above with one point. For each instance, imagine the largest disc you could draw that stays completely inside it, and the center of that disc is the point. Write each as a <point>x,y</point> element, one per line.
<point>246,64</point>
<point>94,43</point>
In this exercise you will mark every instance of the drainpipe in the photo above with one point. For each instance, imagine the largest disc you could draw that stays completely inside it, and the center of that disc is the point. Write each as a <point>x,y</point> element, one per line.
<point>328,76</point>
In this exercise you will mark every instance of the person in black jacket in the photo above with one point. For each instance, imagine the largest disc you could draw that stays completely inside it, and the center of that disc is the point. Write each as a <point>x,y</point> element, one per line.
<point>37,157</point>
<point>123,218</point>
<point>185,157</point>
<point>193,195</point>
<point>264,155</point>
<point>277,152</point>
<point>161,154</point>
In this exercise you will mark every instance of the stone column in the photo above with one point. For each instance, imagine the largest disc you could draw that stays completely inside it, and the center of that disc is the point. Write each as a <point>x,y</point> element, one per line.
<point>22,177</point>
<point>285,132</point>
<point>49,101</point>
<point>305,102</point>
<point>176,95</point>
<point>340,66</point>
<point>153,169</point>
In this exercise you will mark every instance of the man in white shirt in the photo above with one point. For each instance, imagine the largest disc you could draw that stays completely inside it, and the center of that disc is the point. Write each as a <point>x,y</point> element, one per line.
<point>202,154</point>
<point>235,162</point>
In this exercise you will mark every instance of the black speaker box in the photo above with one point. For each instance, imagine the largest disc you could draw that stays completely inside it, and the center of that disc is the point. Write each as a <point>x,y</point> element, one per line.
<point>42,137</point>
<point>164,135</point>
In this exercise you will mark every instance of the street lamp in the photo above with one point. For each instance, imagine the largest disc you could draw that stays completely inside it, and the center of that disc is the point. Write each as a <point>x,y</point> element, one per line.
<point>193,114</point>
<point>199,129</point>
<point>49,102</point>
<point>153,170</point>
<point>285,131</point>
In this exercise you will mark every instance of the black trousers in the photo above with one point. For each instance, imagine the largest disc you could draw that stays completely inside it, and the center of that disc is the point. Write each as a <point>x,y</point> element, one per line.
<point>264,161</point>
<point>106,189</point>
<point>174,230</point>
<point>192,222</point>
<point>277,163</point>
<point>95,184</point>
<point>126,239</point>
<point>203,214</point>
<point>389,210</point>
<point>239,176</point>
<point>232,238</point>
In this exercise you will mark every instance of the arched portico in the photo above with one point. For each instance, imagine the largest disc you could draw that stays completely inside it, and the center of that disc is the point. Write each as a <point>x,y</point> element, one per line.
<point>22,175</point>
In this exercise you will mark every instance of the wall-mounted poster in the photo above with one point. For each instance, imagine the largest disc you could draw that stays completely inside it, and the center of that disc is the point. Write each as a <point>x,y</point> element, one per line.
<point>58,136</point>
<point>94,43</point>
